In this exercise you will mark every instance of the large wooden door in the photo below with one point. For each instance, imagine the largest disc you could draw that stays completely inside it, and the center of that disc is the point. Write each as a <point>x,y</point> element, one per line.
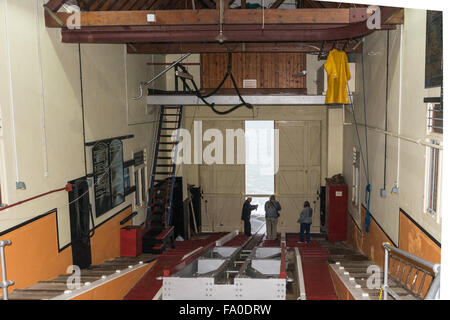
<point>223,185</point>
<point>298,176</point>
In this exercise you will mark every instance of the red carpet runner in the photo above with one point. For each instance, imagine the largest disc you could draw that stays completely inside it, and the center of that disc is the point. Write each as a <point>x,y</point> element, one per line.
<point>318,284</point>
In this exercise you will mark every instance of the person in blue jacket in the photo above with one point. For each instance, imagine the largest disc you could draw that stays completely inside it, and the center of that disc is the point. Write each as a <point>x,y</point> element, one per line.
<point>305,221</point>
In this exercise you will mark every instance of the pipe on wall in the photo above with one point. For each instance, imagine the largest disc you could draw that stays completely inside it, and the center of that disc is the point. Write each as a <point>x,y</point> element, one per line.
<point>421,142</point>
<point>11,90</point>
<point>42,98</point>
<point>400,103</point>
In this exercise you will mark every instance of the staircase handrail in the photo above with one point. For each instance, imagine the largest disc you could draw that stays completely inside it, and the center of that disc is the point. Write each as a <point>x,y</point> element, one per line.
<point>4,284</point>
<point>433,291</point>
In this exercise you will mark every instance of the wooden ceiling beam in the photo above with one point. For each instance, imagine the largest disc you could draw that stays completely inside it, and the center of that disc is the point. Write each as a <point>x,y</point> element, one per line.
<point>208,17</point>
<point>240,33</point>
<point>280,47</point>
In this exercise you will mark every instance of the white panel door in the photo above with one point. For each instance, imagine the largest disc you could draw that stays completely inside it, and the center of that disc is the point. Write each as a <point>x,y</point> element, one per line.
<point>223,185</point>
<point>298,176</point>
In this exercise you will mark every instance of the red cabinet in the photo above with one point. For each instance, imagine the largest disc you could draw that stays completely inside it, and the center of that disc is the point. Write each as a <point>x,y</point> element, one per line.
<point>336,212</point>
<point>130,241</point>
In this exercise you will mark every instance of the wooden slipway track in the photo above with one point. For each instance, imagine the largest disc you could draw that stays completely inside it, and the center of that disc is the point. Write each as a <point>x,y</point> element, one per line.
<point>315,256</point>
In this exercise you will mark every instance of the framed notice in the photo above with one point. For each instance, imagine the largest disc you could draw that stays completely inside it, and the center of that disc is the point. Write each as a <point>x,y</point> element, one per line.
<point>116,173</point>
<point>108,175</point>
<point>433,51</point>
<point>102,188</point>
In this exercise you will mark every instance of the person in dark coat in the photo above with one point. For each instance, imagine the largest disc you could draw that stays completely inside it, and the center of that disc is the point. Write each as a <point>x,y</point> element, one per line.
<point>247,209</point>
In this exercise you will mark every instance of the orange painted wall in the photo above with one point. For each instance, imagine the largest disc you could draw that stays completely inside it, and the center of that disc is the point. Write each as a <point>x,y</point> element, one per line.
<point>33,254</point>
<point>370,243</point>
<point>105,244</point>
<point>417,242</point>
<point>116,289</point>
<point>411,239</point>
<point>339,287</point>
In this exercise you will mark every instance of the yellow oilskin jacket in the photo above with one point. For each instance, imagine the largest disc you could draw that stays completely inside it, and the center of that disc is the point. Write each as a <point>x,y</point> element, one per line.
<point>338,73</point>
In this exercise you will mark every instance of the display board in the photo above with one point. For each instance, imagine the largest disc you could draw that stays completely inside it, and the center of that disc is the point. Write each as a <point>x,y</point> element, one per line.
<point>433,60</point>
<point>108,175</point>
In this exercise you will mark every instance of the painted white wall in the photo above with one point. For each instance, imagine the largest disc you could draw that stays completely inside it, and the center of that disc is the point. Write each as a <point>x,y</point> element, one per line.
<point>194,70</point>
<point>405,93</point>
<point>110,79</point>
<point>335,142</point>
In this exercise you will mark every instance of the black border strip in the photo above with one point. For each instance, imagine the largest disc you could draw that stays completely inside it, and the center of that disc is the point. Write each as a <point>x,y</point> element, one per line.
<point>420,227</point>
<point>128,163</point>
<point>432,100</point>
<point>125,220</point>
<point>367,212</point>
<point>91,143</point>
<point>55,210</point>
<point>23,224</point>
<point>354,221</point>
<point>20,225</point>
<point>119,212</point>
<point>57,234</point>
<point>130,190</point>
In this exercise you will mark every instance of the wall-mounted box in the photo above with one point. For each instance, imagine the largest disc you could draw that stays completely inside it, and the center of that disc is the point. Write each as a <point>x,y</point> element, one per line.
<point>322,83</point>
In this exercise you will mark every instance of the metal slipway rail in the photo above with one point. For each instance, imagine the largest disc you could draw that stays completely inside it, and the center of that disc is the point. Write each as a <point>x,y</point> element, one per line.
<point>246,272</point>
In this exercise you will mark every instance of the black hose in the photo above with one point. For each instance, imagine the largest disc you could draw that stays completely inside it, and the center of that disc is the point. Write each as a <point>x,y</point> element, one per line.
<point>212,105</point>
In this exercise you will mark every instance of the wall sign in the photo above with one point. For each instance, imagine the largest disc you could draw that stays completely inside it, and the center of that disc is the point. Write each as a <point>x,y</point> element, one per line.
<point>433,51</point>
<point>117,181</point>
<point>108,175</point>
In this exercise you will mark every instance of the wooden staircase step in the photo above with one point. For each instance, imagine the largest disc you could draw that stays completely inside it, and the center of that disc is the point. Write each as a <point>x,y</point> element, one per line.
<point>33,294</point>
<point>48,286</point>
<point>83,279</point>
<point>164,158</point>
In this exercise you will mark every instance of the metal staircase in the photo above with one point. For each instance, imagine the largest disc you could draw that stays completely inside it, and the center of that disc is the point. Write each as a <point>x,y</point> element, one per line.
<point>158,229</point>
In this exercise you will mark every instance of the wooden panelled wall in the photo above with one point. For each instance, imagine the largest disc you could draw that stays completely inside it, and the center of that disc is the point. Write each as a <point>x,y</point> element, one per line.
<point>271,70</point>
<point>412,238</point>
